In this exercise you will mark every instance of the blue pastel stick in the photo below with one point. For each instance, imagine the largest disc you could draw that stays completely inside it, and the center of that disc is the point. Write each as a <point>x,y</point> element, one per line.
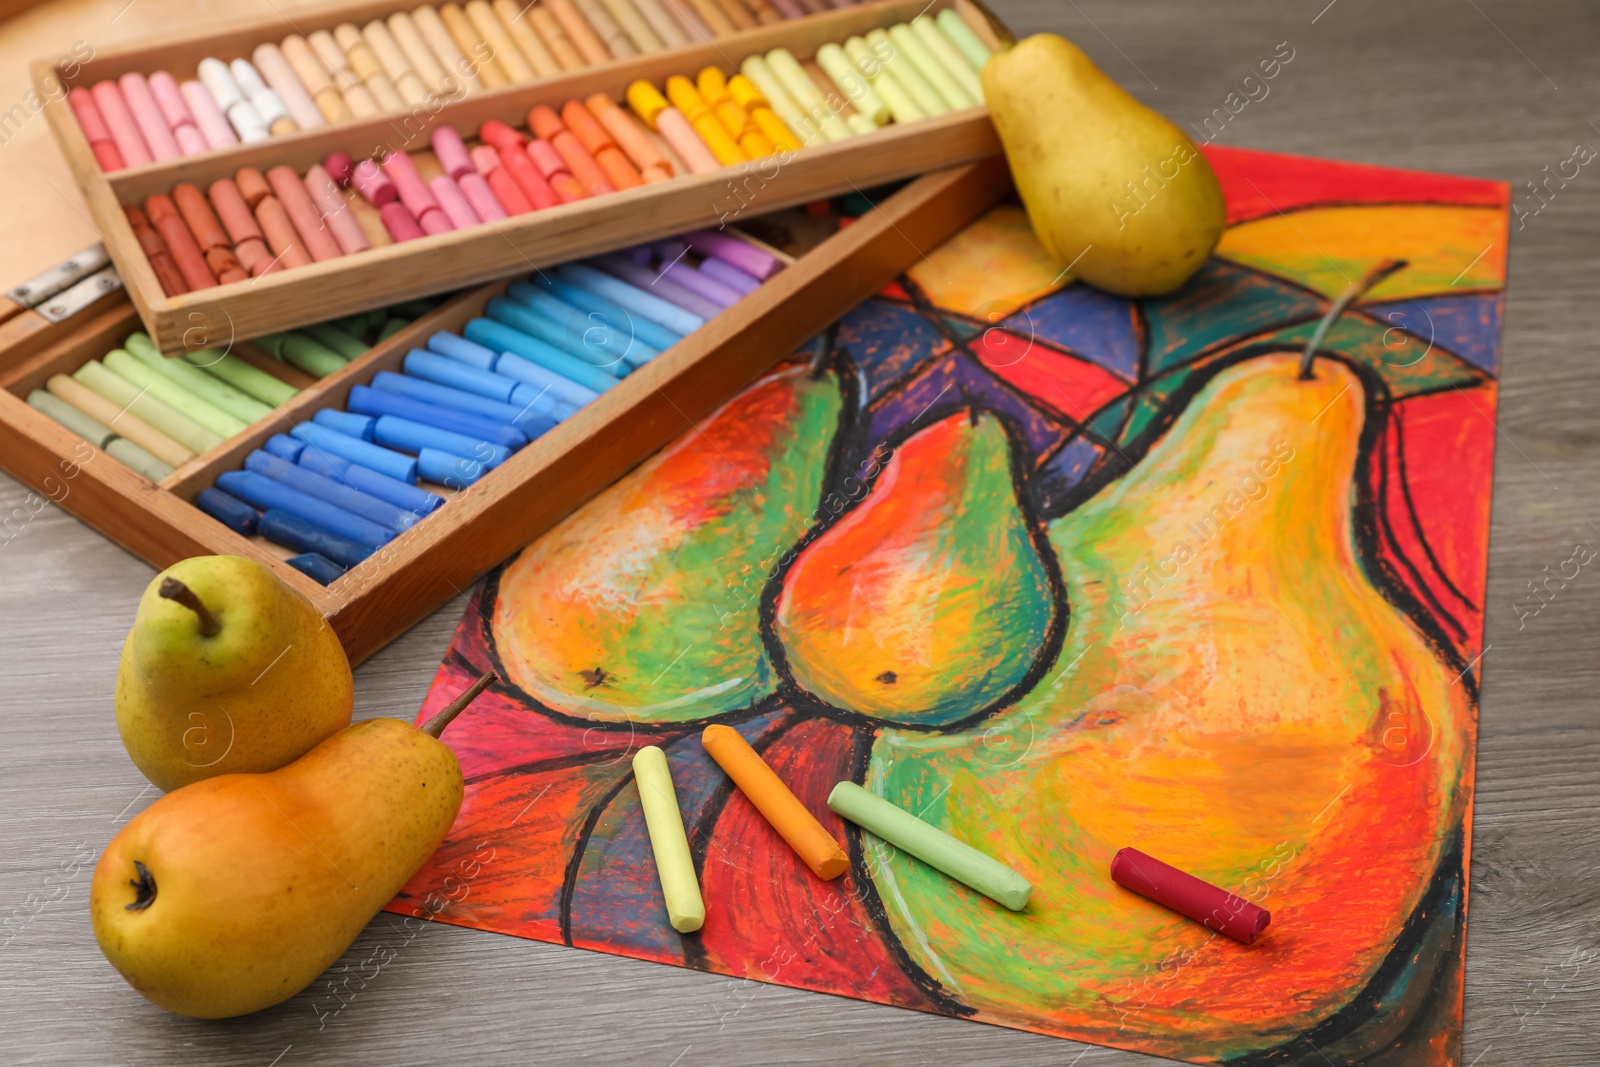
<point>527,371</point>
<point>500,336</point>
<point>263,492</point>
<point>357,451</point>
<point>633,299</point>
<point>566,329</point>
<point>407,436</point>
<point>290,531</point>
<point>232,512</point>
<point>336,493</point>
<point>442,370</point>
<point>375,402</point>
<point>317,567</point>
<point>403,496</point>
<point>475,355</point>
<point>589,331</point>
<point>530,418</point>
<point>653,334</point>
<point>445,469</point>
<point>284,447</point>
<point>345,423</point>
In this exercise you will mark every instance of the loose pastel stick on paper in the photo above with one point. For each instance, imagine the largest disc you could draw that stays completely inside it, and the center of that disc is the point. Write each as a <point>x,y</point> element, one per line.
<point>366,400</point>
<point>406,82</point>
<point>352,500</point>
<point>212,390</point>
<point>335,214</point>
<point>266,103</point>
<point>909,47</point>
<point>119,123</point>
<point>138,459</point>
<point>612,314</point>
<point>277,73</point>
<point>578,32</point>
<point>380,486</point>
<point>204,426</point>
<point>427,392</point>
<point>668,841</point>
<point>283,447</point>
<point>933,846</point>
<point>856,89</point>
<point>657,113</point>
<point>635,300</point>
<point>95,130</point>
<point>229,510</point>
<point>213,124</point>
<point>449,35</point>
<point>120,419</point>
<point>317,567</point>
<point>780,807</point>
<point>147,116</point>
<point>315,236</point>
<point>555,37</point>
<point>169,423</point>
<point>372,456</point>
<point>966,41</point>
<point>630,137</point>
<point>534,50</point>
<point>91,430</point>
<point>291,531</point>
<point>365,65</point>
<point>1187,895</point>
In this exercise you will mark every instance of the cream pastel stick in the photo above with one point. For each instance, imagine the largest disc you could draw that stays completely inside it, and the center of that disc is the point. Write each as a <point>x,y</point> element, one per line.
<point>606,28</point>
<point>266,103</point>
<point>356,97</point>
<point>579,32</point>
<point>119,419</point>
<point>893,94</point>
<point>314,76</point>
<point>532,46</point>
<point>507,54</point>
<point>807,95</point>
<point>453,41</point>
<point>275,70</point>
<point>666,28</point>
<point>856,89</point>
<point>364,64</point>
<point>633,24</point>
<point>414,46</point>
<point>406,83</point>
<point>555,36</point>
<point>803,126</point>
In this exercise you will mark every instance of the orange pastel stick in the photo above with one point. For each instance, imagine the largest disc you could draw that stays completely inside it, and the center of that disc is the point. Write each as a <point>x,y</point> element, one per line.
<point>630,137</point>
<point>794,823</point>
<point>599,144</point>
<point>545,123</point>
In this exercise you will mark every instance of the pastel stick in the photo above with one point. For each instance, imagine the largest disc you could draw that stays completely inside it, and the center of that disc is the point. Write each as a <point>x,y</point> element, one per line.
<point>95,432</point>
<point>229,510</point>
<point>326,489</point>
<point>382,460</point>
<point>613,315</point>
<point>508,339</point>
<point>530,419</point>
<point>263,492</point>
<point>404,435</point>
<point>401,494</point>
<point>635,300</point>
<point>366,400</point>
<point>317,567</point>
<point>293,532</point>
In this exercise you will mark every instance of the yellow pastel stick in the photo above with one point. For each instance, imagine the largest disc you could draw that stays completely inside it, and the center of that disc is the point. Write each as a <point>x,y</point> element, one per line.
<point>687,99</point>
<point>803,126</point>
<point>893,94</point>
<point>119,418</point>
<point>856,89</point>
<point>713,85</point>
<point>806,93</point>
<point>906,41</point>
<point>903,71</point>
<point>948,56</point>
<point>745,93</point>
<point>675,866</point>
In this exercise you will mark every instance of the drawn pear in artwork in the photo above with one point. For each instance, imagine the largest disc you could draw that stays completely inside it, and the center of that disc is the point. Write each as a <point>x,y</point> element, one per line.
<point>643,604</point>
<point>929,601</point>
<point>1233,695</point>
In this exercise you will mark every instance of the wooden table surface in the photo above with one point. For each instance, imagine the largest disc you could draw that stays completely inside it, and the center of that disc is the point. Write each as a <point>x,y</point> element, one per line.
<point>1479,87</point>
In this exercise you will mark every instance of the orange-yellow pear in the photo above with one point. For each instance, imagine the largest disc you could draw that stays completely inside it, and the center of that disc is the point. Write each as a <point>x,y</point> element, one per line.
<point>1113,188</point>
<point>232,894</point>
<point>227,670</point>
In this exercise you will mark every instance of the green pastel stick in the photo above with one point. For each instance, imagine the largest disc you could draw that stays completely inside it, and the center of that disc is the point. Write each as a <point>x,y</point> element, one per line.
<point>949,57</point>
<point>391,327</point>
<point>124,365</point>
<point>686,909</point>
<point>931,845</point>
<point>893,94</point>
<point>140,401</point>
<point>341,342</point>
<point>902,70</point>
<point>856,89</point>
<point>91,430</point>
<point>907,42</point>
<point>307,353</point>
<point>242,376</point>
<point>137,458</point>
<point>217,393</point>
<point>969,43</point>
<point>361,323</point>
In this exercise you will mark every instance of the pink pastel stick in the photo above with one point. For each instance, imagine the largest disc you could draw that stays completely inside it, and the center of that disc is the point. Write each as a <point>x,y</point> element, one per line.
<point>681,136</point>
<point>373,184</point>
<point>401,224</point>
<point>454,204</point>
<point>408,183</point>
<point>170,100</point>
<point>451,152</point>
<point>119,121</point>
<point>486,158</point>
<point>729,275</point>
<point>481,197</point>
<point>747,258</point>
<point>147,116</point>
<point>435,221</point>
<point>334,211</point>
<point>214,125</point>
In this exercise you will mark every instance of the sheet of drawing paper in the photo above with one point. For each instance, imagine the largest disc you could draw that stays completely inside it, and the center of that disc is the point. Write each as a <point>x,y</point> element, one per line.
<point>1061,573</point>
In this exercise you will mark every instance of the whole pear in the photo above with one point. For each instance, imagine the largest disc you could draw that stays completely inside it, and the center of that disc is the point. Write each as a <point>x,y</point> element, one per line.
<point>1113,188</point>
<point>227,670</point>
<point>232,894</point>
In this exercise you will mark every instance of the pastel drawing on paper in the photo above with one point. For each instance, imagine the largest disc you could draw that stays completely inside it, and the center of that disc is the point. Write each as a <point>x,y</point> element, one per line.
<point>1061,573</point>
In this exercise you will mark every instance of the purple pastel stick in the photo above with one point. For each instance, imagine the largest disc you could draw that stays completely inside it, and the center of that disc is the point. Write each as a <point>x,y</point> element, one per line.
<point>746,257</point>
<point>696,282</point>
<point>622,267</point>
<point>640,255</point>
<point>729,275</point>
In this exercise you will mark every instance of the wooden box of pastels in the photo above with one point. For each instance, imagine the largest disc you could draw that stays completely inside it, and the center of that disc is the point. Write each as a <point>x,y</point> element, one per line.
<point>379,462</point>
<point>250,182</point>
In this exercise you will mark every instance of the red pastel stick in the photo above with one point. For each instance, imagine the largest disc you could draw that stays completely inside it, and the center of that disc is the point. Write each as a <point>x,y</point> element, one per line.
<point>1185,894</point>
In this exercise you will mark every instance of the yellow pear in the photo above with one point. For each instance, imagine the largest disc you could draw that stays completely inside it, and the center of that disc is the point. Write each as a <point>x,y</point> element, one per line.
<point>233,894</point>
<point>1113,188</point>
<point>227,670</point>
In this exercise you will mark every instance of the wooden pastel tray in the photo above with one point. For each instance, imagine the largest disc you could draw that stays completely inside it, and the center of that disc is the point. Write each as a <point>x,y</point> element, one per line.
<point>383,596</point>
<point>468,257</point>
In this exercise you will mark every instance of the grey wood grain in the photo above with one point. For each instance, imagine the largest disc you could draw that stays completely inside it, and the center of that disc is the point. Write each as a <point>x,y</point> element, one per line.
<point>1481,87</point>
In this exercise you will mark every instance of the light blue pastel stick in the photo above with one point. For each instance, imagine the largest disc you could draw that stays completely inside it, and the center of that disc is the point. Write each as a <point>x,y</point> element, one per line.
<point>448,344</point>
<point>357,451</point>
<point>633,299</point>
<point>444,469</point>
<point>530,397</point>
<point>527,415</point>
<point>506,339</point>
<point>283,447</point>
<point>558,335</point>
<point>593,333</point>
<point>524,370</point>
<point>396,492</point>
<point>334,492</point>
<point>442,370</point>
<point>344,422</point>
<point>406,436</point>
<point>653,334</point>
<point>263,492</point>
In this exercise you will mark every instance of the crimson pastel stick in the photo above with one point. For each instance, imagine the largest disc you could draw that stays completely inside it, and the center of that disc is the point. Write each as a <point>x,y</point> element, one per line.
<point>1187,895</point>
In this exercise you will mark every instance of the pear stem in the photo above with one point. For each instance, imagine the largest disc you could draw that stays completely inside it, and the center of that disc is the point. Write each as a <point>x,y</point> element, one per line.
<point>1356,290</point>
<point>435,726</point>
<point>176,591</point>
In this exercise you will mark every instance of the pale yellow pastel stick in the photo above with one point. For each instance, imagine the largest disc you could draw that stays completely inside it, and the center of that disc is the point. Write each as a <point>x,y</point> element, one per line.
<point>804,91</point>
<point>172,423</point>
<point>418,55</point>
<point>362,104</point>
<point>532,46</point>
<point>856,89</point>
<point>439,33</point>
<point>858,123</point>
<point>634,25</point>
<point>680,887</point>
<point>804,127</point>
<point>119,418</point>
<point>893,94</point>
<point>507,54</point>
<point>903,71</point>
<point>966,41</point>
<point>411,88</point>
<point>314,76</point>
<point>907,42</point>
<point>951,59</point>
<point>666,27</point>
<point>547,26</point>
<point>366,66</point>
<point>192,407</point>
<point>605,27</point>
